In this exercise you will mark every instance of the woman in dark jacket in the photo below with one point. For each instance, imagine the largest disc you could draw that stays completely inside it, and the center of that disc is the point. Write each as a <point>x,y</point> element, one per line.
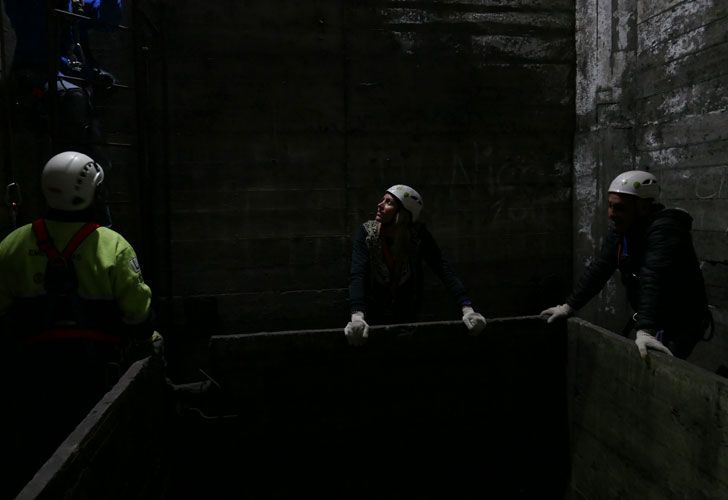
<point>386,267</point>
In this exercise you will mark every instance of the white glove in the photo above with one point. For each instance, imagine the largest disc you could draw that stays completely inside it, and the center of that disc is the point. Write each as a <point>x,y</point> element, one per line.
<point>157,343</point>
<point>645,340</point>
<point>474,321</point>
<point>357,330</point>
<point>557,312</point>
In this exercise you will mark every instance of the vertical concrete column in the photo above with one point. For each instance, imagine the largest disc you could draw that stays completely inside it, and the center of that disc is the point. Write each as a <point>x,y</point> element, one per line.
<point>604,142</point>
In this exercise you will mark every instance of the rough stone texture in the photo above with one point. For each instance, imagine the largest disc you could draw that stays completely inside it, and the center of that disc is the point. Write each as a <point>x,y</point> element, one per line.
<point>651,94</point>
<point>288,120</point>
<point>115,452</point>
<point>656,432</point>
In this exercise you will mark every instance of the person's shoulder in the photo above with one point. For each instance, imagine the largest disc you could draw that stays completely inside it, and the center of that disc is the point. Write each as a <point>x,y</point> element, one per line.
<point>22,230</point>
<point>673,213</point>
<point>672,218</point>
<point>107,232</point>
<point>109,236</point>
<point>17,234</point>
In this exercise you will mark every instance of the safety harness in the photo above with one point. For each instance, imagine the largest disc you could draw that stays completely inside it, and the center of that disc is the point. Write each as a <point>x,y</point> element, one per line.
<point>61,284</point>
<point>45,243</point>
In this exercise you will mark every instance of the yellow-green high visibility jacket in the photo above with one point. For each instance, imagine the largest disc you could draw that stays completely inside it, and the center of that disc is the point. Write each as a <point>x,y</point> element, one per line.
<point>110,284</point>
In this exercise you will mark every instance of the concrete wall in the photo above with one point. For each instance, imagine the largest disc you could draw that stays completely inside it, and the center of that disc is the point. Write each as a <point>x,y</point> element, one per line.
<point>116,451</point>
<point>657,433</point>
<point>289,119</point>
<point>651,94</point>
<point>527,410</point>
<point>421,411</point>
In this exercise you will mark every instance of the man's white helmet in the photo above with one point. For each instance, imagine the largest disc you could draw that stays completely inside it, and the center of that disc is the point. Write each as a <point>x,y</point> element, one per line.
<point>69,181</point>
<point>637,183</point>
<point>409,198</point>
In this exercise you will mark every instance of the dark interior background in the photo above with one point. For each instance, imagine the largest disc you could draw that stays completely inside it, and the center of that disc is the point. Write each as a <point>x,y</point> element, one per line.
<point>255,137</point>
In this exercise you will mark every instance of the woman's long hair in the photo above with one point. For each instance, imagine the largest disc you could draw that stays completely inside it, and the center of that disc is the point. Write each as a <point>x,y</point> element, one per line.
<point>402,247</point>
<point>403,244</point>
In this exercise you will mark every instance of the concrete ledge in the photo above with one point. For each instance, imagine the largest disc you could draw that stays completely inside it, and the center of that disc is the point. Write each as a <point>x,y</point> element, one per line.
<point>422,410</point>
<point>115,450</point>
<point>657,432</point>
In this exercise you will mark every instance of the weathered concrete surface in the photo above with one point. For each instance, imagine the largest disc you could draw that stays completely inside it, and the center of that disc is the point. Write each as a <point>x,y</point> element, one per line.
<point>288,119</point>
<point>421,411</point>
<point>651,94</point>
<point>658,432</point>
<point>115,452</point>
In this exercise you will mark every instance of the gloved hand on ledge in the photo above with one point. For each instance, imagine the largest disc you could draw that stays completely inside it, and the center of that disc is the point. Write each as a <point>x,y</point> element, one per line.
<point>646,340</point>
<point>473,320</point>
<point>157,344</point>
<point>357,330</point>
<point>557,312</point>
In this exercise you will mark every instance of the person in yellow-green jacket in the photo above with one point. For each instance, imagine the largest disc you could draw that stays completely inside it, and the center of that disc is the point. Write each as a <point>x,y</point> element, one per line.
<point>72,302</point>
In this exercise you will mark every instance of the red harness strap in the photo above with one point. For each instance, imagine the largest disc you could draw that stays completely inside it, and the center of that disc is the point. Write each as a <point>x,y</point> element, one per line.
<point>45,242</point>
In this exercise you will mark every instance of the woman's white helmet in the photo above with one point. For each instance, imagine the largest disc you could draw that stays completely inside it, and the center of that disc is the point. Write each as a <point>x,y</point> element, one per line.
<point>637,183</point>
<point>69,181</point>
<point>409,198</point>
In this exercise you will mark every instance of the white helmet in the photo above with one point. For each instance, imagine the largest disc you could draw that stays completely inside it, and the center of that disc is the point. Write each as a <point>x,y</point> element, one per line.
<point>637,183</point>
<point>69,181</point>
<point>409,198</point>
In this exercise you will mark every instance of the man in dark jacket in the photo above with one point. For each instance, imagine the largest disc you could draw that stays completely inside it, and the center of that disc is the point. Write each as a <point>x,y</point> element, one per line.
<point>653,249</point>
